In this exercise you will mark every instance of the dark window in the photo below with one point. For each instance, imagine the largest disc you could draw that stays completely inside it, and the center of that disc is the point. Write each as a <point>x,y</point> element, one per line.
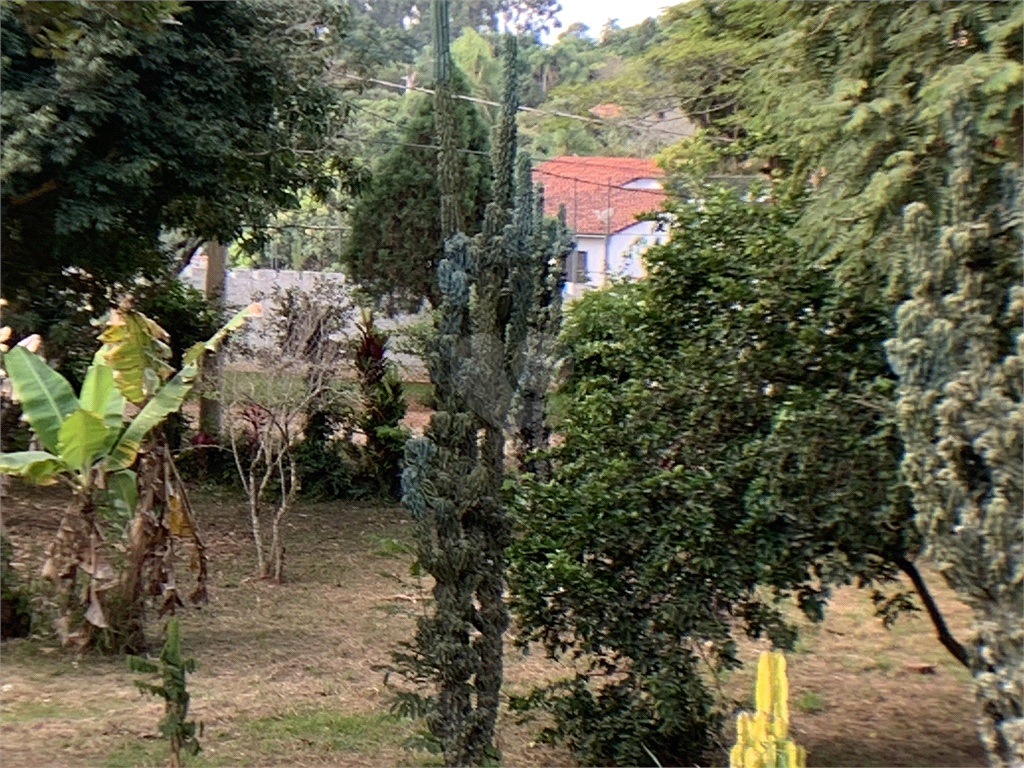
<point>575,267</point>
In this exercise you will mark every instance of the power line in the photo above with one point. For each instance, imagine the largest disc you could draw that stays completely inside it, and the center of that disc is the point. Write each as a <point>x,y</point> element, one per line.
<point>554,113</point>
<point>660,192</point>
<point>475,100</point>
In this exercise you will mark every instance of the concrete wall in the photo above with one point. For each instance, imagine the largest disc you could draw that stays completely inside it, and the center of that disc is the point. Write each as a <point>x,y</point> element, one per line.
<point>244,285</point>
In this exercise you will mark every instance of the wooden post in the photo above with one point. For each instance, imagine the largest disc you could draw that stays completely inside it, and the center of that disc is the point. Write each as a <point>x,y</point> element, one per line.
<point>216,277</point>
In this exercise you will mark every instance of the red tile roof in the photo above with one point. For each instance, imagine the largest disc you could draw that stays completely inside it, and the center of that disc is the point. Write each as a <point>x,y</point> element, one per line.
<point>606,110</point>
<point>589,186</point>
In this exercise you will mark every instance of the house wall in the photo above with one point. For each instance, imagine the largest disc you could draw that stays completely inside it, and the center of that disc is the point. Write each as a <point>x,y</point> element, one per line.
<point>619,255</point>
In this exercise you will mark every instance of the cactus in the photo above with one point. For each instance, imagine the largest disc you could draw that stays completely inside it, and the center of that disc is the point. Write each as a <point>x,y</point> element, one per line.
<point>761,737</point>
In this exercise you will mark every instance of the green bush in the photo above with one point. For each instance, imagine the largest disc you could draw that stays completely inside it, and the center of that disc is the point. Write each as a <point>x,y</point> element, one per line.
<point>383,408</point>
<point>726,428</point>
<point>325,471</point>
<point>15,598</point>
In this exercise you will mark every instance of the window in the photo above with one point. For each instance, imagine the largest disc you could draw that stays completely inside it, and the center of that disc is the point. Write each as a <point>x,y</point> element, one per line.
<point>575,267</point>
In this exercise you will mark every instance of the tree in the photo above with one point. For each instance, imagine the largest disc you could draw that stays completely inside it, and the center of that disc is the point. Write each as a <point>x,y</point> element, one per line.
<point>958,351</point>
<point>198,122</point>
<point>849,97</point>
<point>395,243</point>
<point>728,441</point>
<point>298,355</point>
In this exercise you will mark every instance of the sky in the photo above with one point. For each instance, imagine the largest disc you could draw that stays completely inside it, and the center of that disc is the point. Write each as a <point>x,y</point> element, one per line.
<point>594,13</point>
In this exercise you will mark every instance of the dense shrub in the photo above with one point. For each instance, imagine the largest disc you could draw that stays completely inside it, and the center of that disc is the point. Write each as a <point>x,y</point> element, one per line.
<point>383,407</point>
<point>15,599</point>
<point>726,426</point>
<point>325,469</point>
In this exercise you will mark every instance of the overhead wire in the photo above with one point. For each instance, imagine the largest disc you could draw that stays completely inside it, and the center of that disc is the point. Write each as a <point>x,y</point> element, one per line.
<point>536,162</point>
<point>553,113</point>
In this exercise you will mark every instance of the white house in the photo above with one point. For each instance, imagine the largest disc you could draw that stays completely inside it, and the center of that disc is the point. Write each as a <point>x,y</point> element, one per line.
<point>603,197</point>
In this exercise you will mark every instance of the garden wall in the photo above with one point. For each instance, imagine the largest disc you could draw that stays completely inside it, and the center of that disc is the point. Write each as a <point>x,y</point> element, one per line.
<point>242,286</point>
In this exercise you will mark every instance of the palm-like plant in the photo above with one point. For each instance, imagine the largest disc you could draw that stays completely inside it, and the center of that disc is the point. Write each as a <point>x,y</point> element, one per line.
<point>122,477</point>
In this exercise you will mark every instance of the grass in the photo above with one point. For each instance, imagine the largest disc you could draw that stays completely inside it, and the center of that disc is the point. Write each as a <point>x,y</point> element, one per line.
<point>418,392</point>
<point>809,701</point>
<point>292,674</point>
<point>37,710</point>
<point>329,731</point>
<point>385,546</point>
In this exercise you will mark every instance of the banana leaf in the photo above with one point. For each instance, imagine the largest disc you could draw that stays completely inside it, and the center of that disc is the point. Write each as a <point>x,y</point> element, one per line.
<point>123,489</point>
<point>196,351</point>
<point>100,396</point>
<point>46,397</point>
<point>134,347</point>
<point>37,467</point>
<point>82,436</point>
<point>167,400</point>
<point>170,397</point>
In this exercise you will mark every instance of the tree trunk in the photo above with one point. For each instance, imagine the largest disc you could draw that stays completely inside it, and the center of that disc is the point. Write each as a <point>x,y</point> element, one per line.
<point>254,517</point>
<point>945,636</point>
<point>216,277</point>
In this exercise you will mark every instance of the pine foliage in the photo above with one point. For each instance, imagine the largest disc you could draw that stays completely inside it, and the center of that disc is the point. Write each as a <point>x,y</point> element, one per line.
<point>396,240</point>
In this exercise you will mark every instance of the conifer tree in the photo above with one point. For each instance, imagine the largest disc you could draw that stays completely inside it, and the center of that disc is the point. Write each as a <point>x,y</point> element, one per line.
<point>480,365</point>
<point>958,354</point>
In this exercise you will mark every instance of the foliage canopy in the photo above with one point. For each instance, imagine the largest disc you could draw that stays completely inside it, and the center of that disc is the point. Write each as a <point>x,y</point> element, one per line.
<point>727,426</point>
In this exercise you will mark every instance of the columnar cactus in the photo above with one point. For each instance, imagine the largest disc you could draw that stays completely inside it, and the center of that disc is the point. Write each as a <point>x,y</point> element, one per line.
<point>958,352</point>
<point>483,366</point>
<point>762,739</point>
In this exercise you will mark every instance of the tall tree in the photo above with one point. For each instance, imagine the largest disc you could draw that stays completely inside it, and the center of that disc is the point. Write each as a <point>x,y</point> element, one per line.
<point>728,434</point>
<point>396,240</point>
<point>198,122</point>
<point>958,350</point>
<point>849,96</point>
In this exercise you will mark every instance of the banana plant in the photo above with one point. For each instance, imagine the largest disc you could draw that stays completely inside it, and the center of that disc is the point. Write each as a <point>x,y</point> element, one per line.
<point>87,443</point>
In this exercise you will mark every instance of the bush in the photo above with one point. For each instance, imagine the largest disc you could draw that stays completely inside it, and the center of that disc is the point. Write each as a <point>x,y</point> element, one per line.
<point>324,469</point>
<point>383,408</point>
<point>15,599</point>
<point>726,428</point>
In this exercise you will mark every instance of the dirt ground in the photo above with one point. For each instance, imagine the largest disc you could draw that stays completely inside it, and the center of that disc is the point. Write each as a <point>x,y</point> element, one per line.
<point>287,673</point>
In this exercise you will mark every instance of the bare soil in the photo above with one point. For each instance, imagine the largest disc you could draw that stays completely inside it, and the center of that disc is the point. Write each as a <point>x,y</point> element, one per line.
<point>289,674</point>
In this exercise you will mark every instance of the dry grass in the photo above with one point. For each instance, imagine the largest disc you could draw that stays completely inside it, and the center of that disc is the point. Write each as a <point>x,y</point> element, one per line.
<point>286,672</point>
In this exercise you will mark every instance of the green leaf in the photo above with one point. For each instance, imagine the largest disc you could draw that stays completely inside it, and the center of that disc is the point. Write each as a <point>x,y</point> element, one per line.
<point>138,664</point>
<point>123,489</point>
<point>167,400</point>
<point>37,467</point>
<point>81,437</point>
<point>96,389</point>
<point>170,397</point>
<point>100,396</point>
<point>46,397</point>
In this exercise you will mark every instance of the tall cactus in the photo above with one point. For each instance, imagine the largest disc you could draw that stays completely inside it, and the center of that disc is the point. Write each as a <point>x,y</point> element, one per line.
<point>453,474</point>
<point>447,170</point>
<point>959,355</point>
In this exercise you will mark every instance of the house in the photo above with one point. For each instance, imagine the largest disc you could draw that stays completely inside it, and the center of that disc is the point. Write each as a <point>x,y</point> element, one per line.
<point>603,197</point>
